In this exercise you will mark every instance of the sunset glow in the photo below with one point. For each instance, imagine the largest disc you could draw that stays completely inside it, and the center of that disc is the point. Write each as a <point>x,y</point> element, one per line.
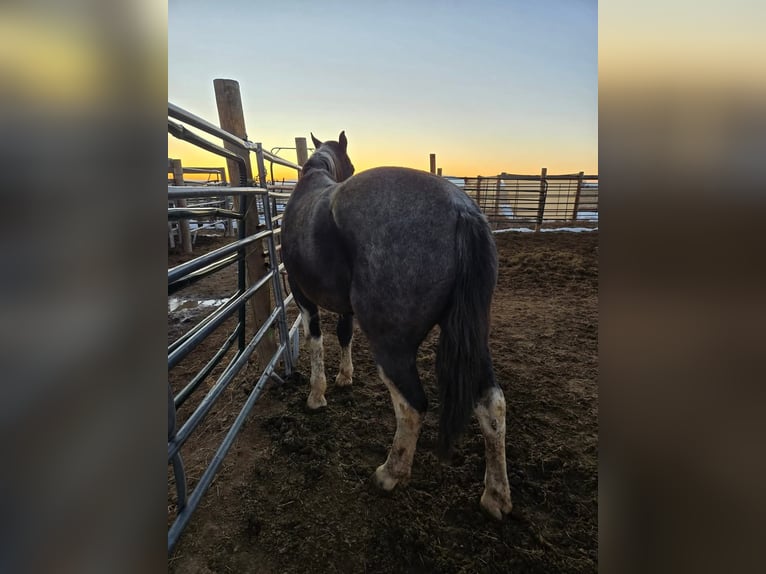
<point>488,87</point>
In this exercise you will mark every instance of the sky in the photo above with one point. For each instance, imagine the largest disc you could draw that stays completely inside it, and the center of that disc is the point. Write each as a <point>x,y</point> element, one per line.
<point>488,86</point>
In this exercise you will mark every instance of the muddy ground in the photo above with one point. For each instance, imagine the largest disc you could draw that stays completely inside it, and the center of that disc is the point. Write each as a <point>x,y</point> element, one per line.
<point>294,493</point>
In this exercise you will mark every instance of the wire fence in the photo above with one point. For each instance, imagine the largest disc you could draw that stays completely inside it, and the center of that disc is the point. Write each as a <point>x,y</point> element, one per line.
<point>511,201</point>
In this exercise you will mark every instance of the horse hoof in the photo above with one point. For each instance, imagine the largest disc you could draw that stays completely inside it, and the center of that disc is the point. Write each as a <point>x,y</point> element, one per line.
<point>342,380</point>
<point>383,480</point>
<point>496,504</point>
<point>315,403</point>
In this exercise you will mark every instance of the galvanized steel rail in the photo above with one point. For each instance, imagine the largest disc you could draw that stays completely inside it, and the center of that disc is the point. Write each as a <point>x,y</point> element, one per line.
<point>196,121</point>
<point>183,275</point>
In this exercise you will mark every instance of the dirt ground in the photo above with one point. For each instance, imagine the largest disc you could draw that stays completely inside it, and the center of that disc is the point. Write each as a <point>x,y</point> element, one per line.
<point>294,493</point>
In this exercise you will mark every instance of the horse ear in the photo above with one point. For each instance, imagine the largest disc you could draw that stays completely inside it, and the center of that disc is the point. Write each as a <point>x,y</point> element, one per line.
<point>317,143</point>
<point>343,141</point>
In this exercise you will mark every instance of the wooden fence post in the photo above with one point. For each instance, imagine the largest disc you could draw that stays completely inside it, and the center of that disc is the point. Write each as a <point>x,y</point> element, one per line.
<point>232,119</point>
<point>478,191</point>
<point>439,171</point>
<point>577,196</point>
<point>543,194</point>
<point>183,224</point>
<point>432,158</point>
<point>301,152</point>
<point>496,210</point>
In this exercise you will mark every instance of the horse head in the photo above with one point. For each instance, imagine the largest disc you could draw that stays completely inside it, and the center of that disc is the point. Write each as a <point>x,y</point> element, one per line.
<point>331,156</point>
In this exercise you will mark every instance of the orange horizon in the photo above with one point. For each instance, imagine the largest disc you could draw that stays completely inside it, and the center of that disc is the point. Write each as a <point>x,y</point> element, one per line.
<point>451,164</point>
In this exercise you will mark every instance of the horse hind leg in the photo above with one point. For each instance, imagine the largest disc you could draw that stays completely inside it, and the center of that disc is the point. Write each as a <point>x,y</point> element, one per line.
<point>313,333</point>
<point>490,410</point>
<point>345,337</point>
<point>409,419</point>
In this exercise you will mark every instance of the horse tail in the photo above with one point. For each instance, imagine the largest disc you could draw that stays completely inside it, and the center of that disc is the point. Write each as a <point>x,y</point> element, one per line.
<point>463,361</point>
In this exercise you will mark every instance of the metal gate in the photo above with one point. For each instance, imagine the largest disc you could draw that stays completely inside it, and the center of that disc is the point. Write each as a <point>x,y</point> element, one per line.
<point>285,348</point>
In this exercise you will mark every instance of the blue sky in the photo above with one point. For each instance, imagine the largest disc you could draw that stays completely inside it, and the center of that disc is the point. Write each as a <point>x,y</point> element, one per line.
<point>487,86</point>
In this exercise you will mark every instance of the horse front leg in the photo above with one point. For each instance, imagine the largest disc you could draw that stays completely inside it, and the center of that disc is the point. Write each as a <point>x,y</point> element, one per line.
<point>398,465</point>
<point>345,337</point>
<point>313,332</point>
<point>490,410</point>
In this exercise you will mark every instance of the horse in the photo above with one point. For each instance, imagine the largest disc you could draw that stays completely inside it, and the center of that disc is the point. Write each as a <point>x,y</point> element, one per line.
<point>400,251</point>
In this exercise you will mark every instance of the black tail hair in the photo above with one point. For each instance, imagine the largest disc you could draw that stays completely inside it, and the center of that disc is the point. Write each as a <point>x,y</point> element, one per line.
<point>463,361</point>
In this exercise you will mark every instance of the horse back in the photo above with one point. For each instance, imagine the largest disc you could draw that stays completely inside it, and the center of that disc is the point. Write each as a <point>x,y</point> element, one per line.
<point>409,214</point>
<point>399,227</point>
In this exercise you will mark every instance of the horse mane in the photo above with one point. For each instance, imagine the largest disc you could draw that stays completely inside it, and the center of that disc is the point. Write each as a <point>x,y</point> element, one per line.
<point>324,160</point>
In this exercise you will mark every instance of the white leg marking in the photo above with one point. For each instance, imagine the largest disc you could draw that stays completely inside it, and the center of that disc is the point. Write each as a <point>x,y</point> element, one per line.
<point>305,317</point>
<point>490,411</point>
<point>318,380</point>
<point>346,367</point>
<point>408,421</point>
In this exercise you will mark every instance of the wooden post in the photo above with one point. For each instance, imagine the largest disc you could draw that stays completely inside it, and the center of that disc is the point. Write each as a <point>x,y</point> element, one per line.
<point>183,224</point>
<point>232,119</point>
<point>301,151</point>
<point>496,208</point>
<point>228,99</point>
<point>543,195</point>
<point>478,191</point>
<point>432,157</point>
<point>577,196</point>
<point>439,171</point>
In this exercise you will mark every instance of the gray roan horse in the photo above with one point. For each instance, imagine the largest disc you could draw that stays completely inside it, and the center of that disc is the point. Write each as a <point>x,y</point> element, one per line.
<point>401,250</point>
